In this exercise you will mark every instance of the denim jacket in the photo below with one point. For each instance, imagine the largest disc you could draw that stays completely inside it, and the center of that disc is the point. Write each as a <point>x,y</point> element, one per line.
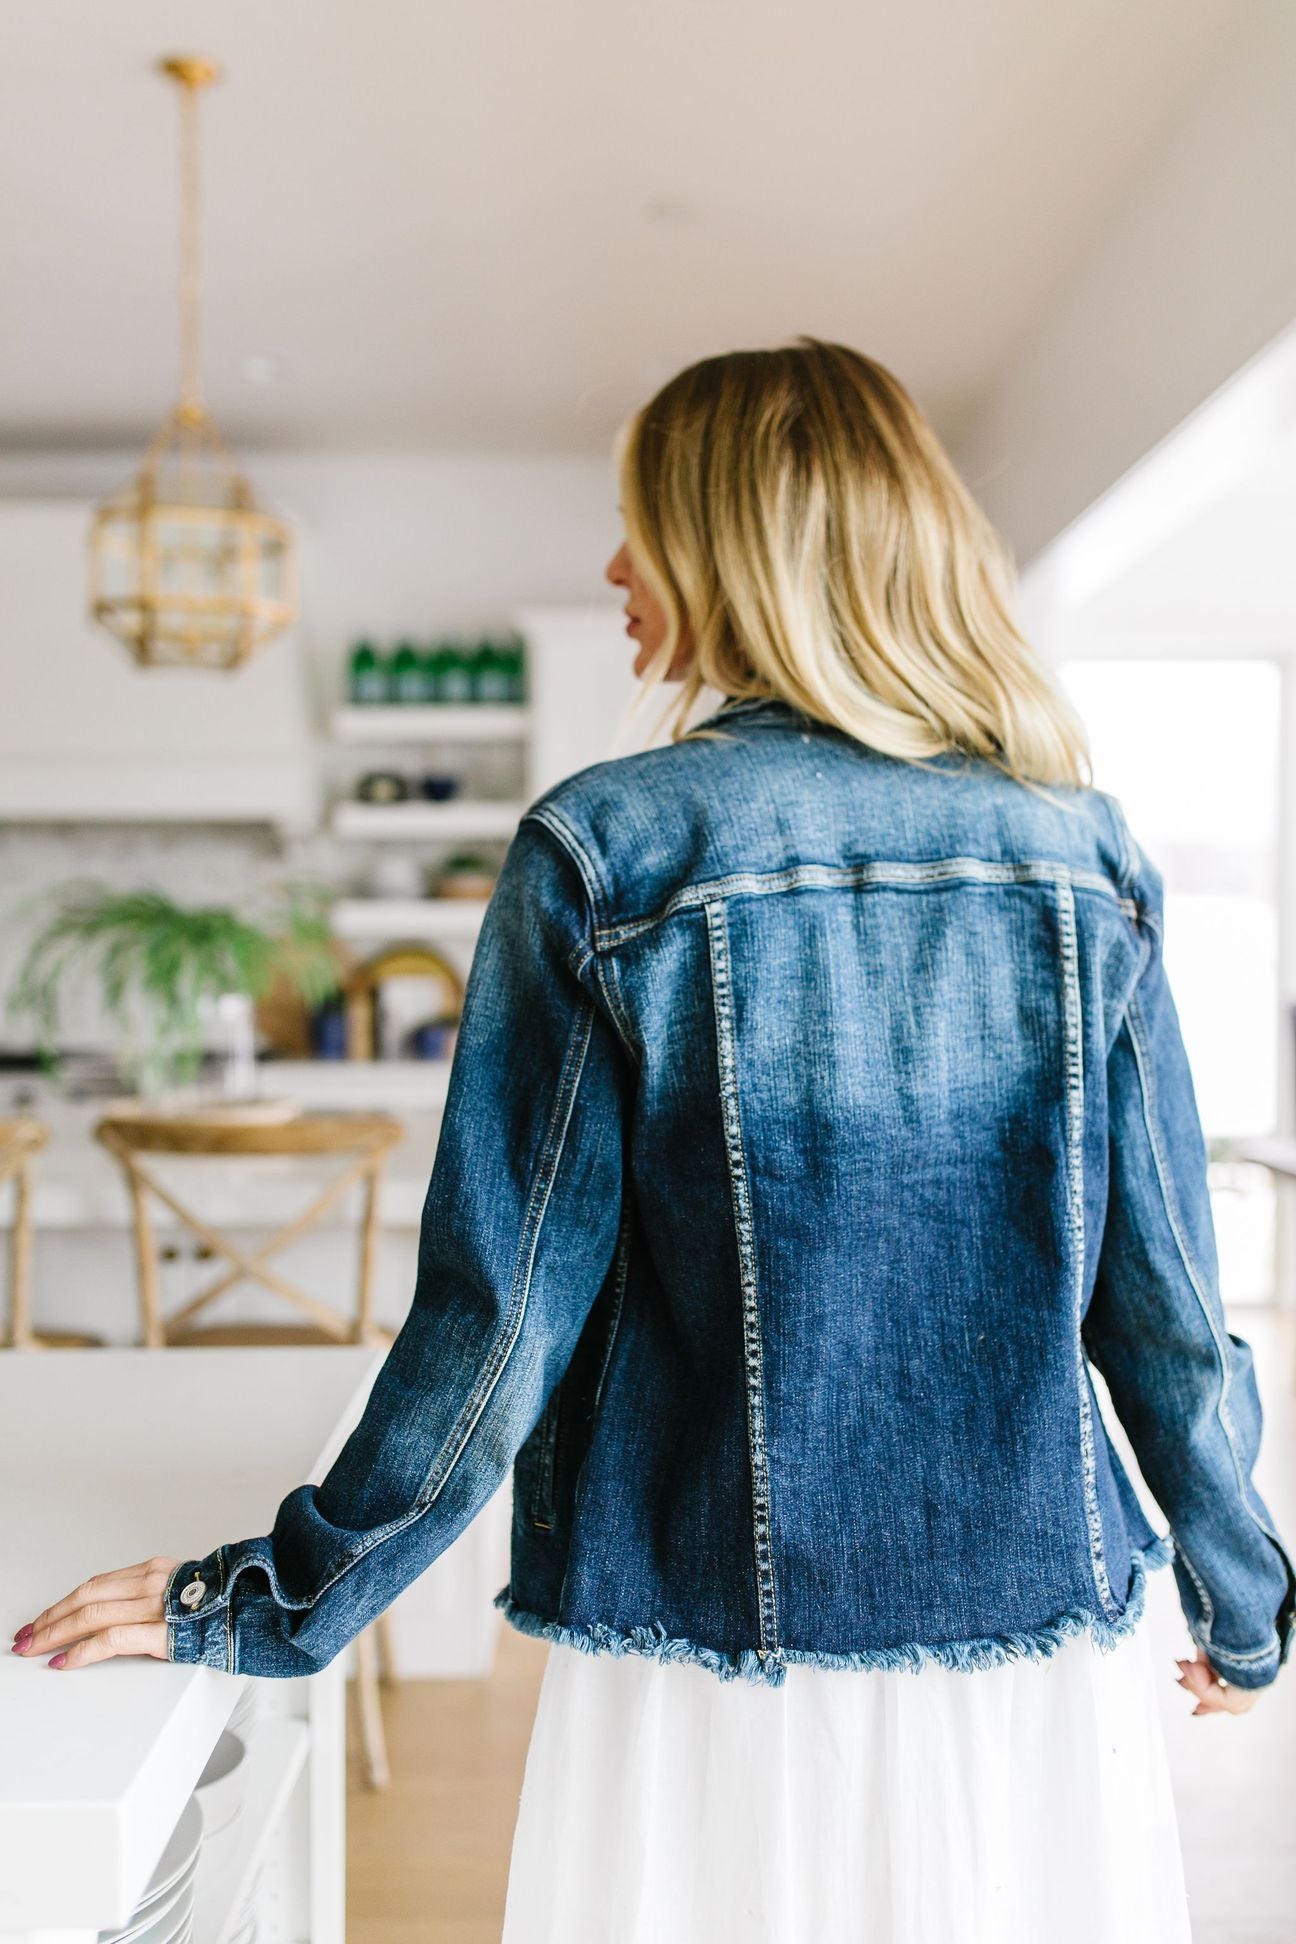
<point>817,1120</point>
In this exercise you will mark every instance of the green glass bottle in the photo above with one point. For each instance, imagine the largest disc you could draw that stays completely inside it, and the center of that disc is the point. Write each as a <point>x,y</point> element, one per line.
<point>432,677</point>
<point>515,654</point>
<point>406,680</point>
<point>490,671</point>
<point>366,675</point>
<point>439,660</point>
<point>454,673</point>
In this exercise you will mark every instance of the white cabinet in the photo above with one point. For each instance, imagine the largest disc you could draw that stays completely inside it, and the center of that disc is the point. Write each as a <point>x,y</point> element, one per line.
<point>86,735</point>
<point>580,667</point>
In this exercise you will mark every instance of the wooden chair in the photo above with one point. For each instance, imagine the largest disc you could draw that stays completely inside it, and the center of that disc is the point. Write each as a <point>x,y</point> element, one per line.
<point>359,1144</point>
<point>21,1140</point>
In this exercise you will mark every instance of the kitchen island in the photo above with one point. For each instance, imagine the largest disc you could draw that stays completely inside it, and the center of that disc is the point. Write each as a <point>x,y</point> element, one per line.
<point>108,1457</point>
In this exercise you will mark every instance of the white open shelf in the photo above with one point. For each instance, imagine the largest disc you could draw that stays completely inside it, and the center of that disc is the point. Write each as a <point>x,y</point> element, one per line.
<point>276,1753</point>
<point>438,722</point>
<point>395,918</point>
<point>427,822</point>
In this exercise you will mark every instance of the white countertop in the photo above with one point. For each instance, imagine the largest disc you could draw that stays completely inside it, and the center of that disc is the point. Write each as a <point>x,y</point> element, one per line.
<point>107,1457</point>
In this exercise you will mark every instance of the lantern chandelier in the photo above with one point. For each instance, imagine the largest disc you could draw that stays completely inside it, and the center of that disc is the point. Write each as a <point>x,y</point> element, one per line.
<point>184,567</point>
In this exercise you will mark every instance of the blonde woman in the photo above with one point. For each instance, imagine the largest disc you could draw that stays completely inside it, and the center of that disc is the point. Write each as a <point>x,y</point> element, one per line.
<point>819,1115</point>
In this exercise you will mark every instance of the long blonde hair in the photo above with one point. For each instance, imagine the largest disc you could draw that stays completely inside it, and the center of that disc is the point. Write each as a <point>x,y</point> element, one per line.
<point>797,511</point>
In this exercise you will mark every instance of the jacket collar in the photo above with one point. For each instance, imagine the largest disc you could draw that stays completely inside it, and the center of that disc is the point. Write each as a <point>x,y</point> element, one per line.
<point>740,705</point>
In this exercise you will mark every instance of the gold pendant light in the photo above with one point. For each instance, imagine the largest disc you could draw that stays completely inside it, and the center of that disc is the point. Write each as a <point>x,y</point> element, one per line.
<point>184,567</point>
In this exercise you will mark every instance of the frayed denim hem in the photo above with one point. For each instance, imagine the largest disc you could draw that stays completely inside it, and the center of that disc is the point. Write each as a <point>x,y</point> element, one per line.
<point>964,1656</point>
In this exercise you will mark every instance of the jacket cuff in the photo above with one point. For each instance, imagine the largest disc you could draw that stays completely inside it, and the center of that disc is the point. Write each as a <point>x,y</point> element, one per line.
<point>1255,1670</point>
<point>197,1614</point>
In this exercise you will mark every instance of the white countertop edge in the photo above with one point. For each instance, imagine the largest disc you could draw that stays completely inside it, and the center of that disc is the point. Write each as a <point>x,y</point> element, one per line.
<point>115,1844</point>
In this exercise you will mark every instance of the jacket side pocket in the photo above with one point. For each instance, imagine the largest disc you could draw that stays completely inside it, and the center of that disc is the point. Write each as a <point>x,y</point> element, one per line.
<point>544,1491</point>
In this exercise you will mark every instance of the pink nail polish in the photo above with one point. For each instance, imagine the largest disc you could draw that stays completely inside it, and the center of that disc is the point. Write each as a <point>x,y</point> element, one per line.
<point>58,1660</point>
<point>23,1635</point>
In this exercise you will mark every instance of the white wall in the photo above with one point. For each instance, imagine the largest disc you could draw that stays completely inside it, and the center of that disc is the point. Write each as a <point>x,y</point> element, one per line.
<point>395,543</point>
<point>1194,275</point>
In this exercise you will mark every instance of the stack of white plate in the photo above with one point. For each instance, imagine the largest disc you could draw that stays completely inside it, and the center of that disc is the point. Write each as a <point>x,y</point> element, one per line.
<point>221,1790</point>
<point>164,1914</point>
<point>244,1718</point>
<point>247,1930</point>
<point>243,1921</point>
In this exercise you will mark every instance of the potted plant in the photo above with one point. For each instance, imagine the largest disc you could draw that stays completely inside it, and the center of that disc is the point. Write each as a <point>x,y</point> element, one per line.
<point>171,976</point>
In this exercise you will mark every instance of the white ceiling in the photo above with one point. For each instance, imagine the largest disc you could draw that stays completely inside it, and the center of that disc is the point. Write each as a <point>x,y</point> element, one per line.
<point>498,225</point>
<point>1190,552</point>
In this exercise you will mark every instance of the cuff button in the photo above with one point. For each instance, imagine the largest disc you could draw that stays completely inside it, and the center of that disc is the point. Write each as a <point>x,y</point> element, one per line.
<point>193,1594</point>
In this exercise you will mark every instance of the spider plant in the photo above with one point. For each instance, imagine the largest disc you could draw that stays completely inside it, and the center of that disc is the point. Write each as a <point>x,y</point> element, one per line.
<point>160,965</point>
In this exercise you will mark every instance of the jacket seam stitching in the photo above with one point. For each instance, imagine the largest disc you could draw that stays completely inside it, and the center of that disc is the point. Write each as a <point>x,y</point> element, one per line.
<point>1140,967</point>
<point>1073,1085</point>
<point>740,1192</point>
<point>1208,1605</point>
<point>1134,1026</point>
<point>613,999</point>
<point>830,877</point>
<point>558,827</point>
<point>1124,840</point>
<point>623,1011</point>
<point>166,1608</point>
<point>1227,1654</point>
<point>505,1341</point>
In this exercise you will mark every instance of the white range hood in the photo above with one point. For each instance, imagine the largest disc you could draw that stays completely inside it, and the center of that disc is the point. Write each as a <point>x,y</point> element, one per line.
<point>86,736</point>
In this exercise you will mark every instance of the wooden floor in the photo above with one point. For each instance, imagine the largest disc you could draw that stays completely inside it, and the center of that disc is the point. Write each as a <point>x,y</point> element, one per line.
<point>427,1861</point>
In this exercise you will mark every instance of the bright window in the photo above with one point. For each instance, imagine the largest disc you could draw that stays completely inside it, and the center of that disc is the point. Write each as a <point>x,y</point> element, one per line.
<point>1191,748</point>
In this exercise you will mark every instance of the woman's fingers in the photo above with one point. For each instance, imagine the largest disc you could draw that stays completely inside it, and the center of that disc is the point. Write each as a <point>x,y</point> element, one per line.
<point>1212,1695</point>
<point>95,1617</point>
<point>122,1582</point>
<point>149,1638</point>
<point>129,1598</point>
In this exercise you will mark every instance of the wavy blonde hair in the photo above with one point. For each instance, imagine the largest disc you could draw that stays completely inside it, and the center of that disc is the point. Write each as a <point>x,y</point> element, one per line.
<point>797,511</point>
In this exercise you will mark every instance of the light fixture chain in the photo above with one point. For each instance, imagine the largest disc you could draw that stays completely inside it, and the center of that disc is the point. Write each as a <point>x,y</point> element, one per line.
<point>191,385</point>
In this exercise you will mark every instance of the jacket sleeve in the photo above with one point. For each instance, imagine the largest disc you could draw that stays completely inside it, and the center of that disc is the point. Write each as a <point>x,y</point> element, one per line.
<point>518,1232</point>
<point>1182,1386</point>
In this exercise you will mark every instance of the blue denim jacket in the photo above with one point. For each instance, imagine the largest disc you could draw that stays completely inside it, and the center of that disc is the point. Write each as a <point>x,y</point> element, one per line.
<point>817,1119</point>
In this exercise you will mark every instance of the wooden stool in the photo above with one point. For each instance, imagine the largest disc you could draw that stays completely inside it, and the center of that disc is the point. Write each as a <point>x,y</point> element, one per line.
<point>21,1141</point>
<point>360,1143</point>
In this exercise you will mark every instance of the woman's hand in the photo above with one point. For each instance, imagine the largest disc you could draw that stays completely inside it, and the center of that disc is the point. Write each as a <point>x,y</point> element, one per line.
<point>114,1613</point>
<point>1213,1695</point>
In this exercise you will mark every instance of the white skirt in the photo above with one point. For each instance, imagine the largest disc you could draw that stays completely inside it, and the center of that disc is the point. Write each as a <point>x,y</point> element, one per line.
<point>1022,1804</point>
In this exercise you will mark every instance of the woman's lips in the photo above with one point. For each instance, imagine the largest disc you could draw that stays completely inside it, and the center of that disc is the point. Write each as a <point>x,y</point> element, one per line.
<point>632,624</point>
